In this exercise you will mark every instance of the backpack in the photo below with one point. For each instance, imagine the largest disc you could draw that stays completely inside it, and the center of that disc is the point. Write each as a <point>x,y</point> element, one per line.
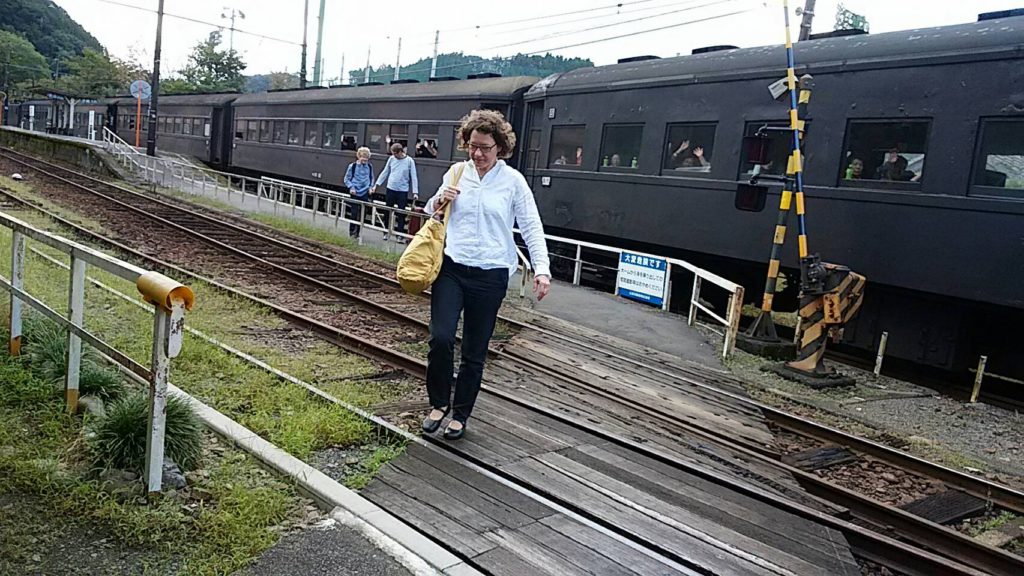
<point>350,173</point>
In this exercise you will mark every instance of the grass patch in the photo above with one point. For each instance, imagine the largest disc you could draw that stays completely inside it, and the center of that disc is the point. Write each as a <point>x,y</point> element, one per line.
<point>118,440</point>
<point>40,456</point>
<point>370,465</point>
<point>991,523</point>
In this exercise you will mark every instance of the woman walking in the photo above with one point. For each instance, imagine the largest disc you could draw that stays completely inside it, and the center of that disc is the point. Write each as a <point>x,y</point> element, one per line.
<point>479,257</point>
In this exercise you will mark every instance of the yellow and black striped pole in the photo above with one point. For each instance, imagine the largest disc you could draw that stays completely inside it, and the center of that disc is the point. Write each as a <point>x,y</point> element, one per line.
<point>764,327</point>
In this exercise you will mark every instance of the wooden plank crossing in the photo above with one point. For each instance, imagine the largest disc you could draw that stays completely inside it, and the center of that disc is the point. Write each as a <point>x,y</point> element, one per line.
<point>679,517</point>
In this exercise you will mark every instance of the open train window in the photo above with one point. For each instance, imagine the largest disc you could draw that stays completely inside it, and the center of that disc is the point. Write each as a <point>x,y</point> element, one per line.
<point>999,164</point>
<point>458,154</point>
<point>177,124</point>
<point>198,127</point>
<point>265,133</point>
<point>350,136</point>
<point>620,146</point>
<point>252,131</point>
<point>280,132</point>
<point>161,125</point>
<point>398,134</point>
<point>186,126</point>
<point>884,151</point>
<point>426,141</point>
<point>295,132</point>
<point>780,147</point>
<point>689,149</point>
<point>330,137</point>
<point>566,148</point>
<point>313,134</point>
<point>375,139</point>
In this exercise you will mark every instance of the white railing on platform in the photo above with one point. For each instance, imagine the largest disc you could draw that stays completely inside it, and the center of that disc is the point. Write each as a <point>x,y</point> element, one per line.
<point>169,299</point>
<point>339,208</point>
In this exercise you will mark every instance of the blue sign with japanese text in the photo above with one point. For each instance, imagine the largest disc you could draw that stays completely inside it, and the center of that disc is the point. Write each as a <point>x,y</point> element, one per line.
<point>642,278</point>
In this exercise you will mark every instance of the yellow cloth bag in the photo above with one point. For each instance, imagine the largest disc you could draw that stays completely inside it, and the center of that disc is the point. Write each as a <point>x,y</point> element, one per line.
<point>421,262</point>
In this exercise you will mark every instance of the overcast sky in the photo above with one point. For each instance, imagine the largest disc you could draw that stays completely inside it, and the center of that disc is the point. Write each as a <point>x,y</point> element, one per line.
<point>352,27</point>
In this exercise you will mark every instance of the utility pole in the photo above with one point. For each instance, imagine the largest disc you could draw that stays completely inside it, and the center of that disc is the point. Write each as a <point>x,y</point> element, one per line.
<point>398,58</point>
<point>305,26</point>
<point>151,136</point>
<point>366,77</point>
<point>341,79</point>
<point>318,64</point>
<point>231,36</point>
<point>433,61</point>
<point>808,16</point>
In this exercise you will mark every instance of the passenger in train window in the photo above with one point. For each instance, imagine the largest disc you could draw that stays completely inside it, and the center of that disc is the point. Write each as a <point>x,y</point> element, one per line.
<point>402,185</point>
<point>579,156</point>
<point>895,168</point>
<point>855,171</point>
<point>426,148</point>
<point>479,257</point>
<point>358,180</point>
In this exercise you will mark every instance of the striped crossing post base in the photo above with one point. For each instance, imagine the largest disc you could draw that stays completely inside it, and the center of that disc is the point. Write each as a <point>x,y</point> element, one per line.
<point>830,296</point>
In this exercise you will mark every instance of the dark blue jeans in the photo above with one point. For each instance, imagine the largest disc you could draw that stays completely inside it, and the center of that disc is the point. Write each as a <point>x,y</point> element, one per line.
<point>476,293</point>
<point>397,198</point>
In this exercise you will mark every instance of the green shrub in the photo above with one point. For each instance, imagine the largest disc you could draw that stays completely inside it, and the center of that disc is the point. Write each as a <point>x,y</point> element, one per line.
<point>119,439</point>
<point>100,382</point>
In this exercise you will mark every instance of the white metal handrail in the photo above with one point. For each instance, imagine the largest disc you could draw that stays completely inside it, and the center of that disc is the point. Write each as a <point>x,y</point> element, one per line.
<point>169,299</point>
<point>382,218</point>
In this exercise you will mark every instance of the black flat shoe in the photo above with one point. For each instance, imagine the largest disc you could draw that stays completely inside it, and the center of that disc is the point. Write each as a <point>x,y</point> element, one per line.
<point>430,425</point>
<point>453,434</point>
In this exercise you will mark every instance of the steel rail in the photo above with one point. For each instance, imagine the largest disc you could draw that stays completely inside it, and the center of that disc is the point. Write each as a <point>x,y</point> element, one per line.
<point>412,365</point>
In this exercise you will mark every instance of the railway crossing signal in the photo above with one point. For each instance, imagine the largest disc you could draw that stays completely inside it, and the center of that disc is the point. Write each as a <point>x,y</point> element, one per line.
<point>829,294</point>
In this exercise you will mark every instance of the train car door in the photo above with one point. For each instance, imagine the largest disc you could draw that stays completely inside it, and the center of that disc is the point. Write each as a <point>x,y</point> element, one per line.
<point>214,137</point>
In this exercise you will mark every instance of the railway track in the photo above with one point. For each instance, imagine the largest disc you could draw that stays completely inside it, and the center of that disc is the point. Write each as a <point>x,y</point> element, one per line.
<point>313,270</point>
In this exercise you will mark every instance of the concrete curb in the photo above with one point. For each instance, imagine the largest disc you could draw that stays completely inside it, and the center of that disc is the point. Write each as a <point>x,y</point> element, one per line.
<point>416,552</point>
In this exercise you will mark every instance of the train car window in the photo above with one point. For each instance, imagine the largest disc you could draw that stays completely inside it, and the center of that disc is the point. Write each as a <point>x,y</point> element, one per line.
<point>239,129</point>
<point>295,132</point>
<point>161,125</point>
<point>280,131</point>
<point>265,132</point>
<point>349,136</point>
<point>252,131</point>
<point>566,146</point>
<point>177,124</point>
<point>197,127</point>
<point>375,139</point>
<point>186,126</point>
<point>398,134</point>
<point>533,148</point>
<point>312,134</point>
<point>131,122</point>
<point>206,127</point>
<point>426,141</point>
<point>456,153</point>
<point>330,135</point>
<point>884,150</point>
<point>780,144</point>
<point>620,145</point>
<point>999,167</point>
<point>689,148</point>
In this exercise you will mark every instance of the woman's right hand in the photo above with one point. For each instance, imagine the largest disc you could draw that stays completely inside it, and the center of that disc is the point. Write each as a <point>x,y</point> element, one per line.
<point>449,195</point>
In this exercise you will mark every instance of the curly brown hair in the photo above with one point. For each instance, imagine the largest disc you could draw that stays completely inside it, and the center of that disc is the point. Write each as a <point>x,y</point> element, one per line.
<point>492,123</point>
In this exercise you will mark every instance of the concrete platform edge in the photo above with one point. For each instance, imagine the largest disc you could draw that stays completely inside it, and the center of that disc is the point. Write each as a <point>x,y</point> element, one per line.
<point>413,550</point>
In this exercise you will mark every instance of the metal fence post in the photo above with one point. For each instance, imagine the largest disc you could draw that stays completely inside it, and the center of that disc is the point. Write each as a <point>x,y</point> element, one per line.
<point>666,295</point>
<point>978,378</point>
<point>694,297</point>
<point>316,205</point>
<point>578,270</point>
<point>733,327</point>
<point>76,313</point>
<point>881,353</point>
<point>162,326</point>
<point>18,281</point>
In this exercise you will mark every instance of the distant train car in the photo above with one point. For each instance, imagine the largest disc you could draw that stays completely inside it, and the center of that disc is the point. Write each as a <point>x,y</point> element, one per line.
<point>197,125</point>
<point>648,154</point>
<point>312,135</point>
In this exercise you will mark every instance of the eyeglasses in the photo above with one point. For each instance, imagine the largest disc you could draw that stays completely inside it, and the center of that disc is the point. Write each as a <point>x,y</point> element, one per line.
<point>484,149</point>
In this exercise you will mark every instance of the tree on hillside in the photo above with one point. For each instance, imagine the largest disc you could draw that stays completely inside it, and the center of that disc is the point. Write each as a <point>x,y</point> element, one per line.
<point>48,27</point>
<point>19,62</point>
<point>272,81</point>
<point>94,74</point>
<point>175,86</point>
<point>213,70</point>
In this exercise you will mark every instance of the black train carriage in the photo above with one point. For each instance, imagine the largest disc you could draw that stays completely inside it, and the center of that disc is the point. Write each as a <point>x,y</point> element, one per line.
<point>312,135</point>
<point>195,125</point>
<point>613,156</point>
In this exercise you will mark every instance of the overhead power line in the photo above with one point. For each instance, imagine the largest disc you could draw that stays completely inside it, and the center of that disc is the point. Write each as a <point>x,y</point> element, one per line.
<point>585,43</point>
<point>197,21</point>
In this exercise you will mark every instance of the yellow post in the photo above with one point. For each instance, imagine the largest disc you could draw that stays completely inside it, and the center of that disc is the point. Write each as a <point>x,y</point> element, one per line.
<point>978,377</point>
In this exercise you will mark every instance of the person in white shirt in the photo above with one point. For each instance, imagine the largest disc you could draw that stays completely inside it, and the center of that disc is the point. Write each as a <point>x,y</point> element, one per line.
<point>479,257</point>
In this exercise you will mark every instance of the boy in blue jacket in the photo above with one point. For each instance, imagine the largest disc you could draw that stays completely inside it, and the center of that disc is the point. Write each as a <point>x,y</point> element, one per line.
<point>358,180</point>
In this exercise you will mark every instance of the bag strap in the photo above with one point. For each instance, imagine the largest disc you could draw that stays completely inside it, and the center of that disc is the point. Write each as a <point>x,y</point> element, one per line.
<point>459,169</point>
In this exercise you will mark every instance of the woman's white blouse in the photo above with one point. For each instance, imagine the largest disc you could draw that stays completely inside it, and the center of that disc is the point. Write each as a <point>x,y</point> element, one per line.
<point>483,215</point>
